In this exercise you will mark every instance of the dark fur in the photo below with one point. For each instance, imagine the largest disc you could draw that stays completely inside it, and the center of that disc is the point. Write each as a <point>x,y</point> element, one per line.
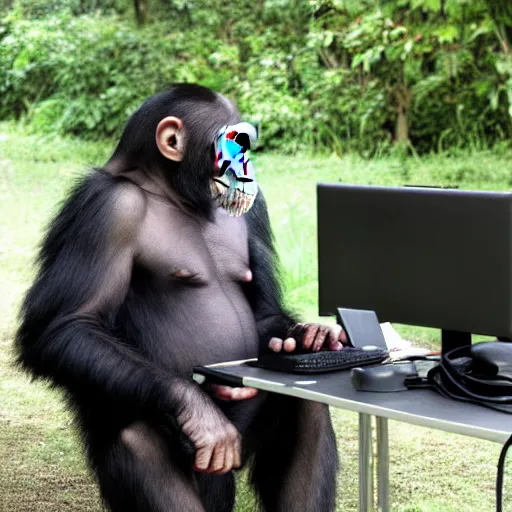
<point>194,106</point>
<point>96,359</point>
<point>102,375</point>
<point>265,292</point>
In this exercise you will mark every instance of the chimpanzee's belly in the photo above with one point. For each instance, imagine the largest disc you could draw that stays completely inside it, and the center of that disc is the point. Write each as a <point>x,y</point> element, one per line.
<point>186,304</point>
<point>193,325</point>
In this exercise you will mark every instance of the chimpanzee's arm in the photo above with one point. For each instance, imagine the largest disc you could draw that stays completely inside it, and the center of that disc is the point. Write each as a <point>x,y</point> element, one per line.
<point>264,292</point>
<point>85,270</point>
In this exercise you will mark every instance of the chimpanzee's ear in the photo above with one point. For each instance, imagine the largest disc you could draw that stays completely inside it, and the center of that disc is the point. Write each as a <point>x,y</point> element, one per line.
<point>170,138</point>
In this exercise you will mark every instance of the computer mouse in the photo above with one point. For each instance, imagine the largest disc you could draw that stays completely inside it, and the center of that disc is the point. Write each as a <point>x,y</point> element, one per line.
<point>383,378</point>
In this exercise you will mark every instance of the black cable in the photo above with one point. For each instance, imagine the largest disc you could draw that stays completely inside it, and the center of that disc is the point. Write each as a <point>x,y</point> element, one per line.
<point>499,479</point>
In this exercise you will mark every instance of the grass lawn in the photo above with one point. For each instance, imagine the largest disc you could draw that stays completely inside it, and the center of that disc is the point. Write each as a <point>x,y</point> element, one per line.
<point>41,465</point>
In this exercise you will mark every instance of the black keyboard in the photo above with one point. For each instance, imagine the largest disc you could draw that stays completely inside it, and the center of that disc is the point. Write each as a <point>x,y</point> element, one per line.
<point>320,362</point>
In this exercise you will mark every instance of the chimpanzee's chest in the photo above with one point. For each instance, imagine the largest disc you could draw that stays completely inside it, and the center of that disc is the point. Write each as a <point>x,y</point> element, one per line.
<point>176,246</point>
<point>189,276</point>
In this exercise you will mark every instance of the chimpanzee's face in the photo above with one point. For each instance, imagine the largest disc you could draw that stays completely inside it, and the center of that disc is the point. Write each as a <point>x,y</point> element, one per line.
<point>200,174</point>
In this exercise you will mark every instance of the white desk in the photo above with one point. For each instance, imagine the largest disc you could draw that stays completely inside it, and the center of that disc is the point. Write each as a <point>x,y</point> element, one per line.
<point>420,407</point>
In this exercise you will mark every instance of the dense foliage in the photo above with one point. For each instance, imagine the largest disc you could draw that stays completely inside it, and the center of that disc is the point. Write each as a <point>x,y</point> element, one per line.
<point>363,75</point>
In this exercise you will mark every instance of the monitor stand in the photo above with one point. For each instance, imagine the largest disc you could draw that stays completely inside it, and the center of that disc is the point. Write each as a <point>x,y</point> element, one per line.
<point>454,339</point>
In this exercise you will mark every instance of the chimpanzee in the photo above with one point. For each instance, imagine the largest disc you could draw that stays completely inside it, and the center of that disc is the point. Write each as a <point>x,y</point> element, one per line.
<point>161,260</point>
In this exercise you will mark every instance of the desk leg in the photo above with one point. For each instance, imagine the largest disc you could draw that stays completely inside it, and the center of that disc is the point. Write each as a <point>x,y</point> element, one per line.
<point>383,464</point>
<point>366,503</point>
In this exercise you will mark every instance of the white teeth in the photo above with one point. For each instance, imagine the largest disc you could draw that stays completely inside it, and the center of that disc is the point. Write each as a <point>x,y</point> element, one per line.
<point>221,188</point>
<point>234,200</point>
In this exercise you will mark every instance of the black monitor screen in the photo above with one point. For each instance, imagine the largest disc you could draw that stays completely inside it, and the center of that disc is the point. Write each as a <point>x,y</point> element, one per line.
<point>420,256</point>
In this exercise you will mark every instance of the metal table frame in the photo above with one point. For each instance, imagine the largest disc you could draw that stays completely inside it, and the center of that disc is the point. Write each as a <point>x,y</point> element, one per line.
<point>427,409</point>
<point>366,464</point>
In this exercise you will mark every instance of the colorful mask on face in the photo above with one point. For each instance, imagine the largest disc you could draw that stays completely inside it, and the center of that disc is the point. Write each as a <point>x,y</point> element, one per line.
<point>234,186</point>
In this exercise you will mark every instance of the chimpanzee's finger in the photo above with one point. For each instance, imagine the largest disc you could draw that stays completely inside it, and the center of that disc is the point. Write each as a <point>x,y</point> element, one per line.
<point>320,338</point>
<point>343,338</point>
<point>203,457</point>
<point>333,334</point>
<point>289,344</point>
<point>222,392</point>
<point>244,393</point>
<point>310,331</point>
<point>275,344</point>
<point>218,459</point>
<point>231,393</point>
<point>228,460</point>
<point>237,453</point>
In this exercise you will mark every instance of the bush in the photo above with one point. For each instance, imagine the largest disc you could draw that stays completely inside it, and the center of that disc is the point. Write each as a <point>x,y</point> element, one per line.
<point>85,75</point>
<point>307,87</point>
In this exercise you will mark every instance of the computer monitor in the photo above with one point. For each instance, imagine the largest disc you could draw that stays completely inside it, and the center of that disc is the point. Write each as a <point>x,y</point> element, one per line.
<point>420,256</point>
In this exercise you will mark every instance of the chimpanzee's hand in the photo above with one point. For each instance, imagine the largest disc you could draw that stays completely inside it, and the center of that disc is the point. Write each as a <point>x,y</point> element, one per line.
<point>229,393</point>
<point>310,337</point>
<point>217,442</point>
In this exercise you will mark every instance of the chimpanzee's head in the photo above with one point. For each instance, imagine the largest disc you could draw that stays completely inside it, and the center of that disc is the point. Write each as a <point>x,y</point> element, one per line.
<point>194,138</point>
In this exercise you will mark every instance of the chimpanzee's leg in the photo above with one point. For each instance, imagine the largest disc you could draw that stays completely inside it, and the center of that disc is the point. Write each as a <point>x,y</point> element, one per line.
<point>295,456</point>
<point>217,491</point>
<point>140,474</point>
